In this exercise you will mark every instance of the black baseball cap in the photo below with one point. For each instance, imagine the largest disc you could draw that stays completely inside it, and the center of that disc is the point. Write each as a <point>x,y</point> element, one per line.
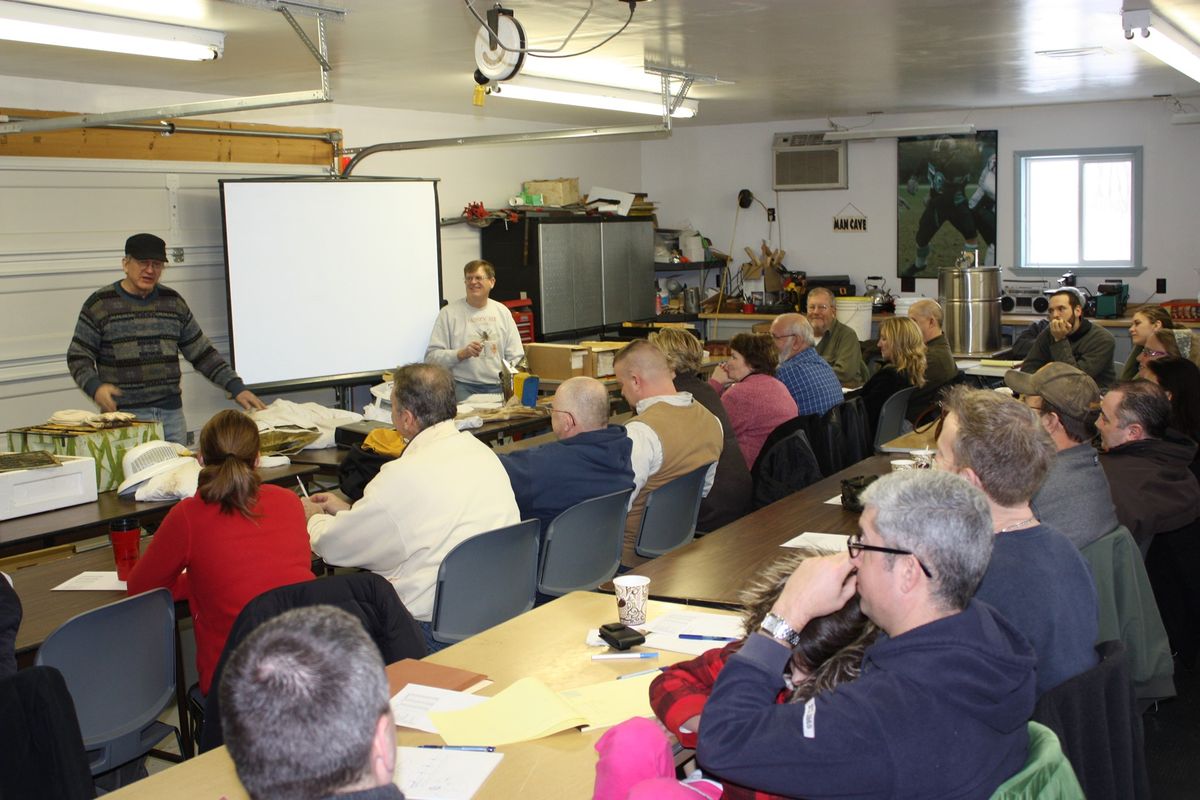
<point>146,247</point>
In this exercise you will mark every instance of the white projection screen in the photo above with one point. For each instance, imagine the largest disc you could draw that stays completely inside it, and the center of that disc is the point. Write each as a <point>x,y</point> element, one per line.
<point>330,281</point>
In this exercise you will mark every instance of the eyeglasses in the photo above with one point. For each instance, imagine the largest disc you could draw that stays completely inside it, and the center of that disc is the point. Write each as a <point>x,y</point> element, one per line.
<point>855,546</point>
<point>149,263</point>
<point>778,336</point>
<point>813,307</point>
<point>561,411</point>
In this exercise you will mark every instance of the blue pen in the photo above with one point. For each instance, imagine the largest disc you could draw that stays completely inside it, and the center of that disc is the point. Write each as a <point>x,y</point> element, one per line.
<point>703,637</point>
<point>622,656</point>
<point>467,747</point>
<point>643,672</point>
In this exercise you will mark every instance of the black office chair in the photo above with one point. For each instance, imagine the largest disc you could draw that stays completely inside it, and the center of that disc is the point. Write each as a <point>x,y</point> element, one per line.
<point>892,417</point>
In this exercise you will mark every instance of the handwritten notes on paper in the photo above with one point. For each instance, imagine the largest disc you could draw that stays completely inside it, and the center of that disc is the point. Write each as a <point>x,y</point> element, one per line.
<point>424,774</point>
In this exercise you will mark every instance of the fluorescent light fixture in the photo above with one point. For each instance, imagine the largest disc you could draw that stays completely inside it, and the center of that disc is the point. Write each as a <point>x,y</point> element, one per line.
<point>1185,118</point>
<point>24,22</point>
<point>1162,40</point>
<point>588,95</point>
<point>888,133</point>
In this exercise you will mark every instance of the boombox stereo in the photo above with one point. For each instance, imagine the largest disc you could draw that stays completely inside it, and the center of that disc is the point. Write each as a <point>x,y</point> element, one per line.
<point>1024,294</point>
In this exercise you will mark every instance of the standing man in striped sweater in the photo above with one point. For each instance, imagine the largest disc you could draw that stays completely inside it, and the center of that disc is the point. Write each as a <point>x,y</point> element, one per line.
<point>127,342</point>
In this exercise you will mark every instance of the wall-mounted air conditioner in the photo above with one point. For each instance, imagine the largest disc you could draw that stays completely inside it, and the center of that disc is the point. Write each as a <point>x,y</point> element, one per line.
<point>806,161</point>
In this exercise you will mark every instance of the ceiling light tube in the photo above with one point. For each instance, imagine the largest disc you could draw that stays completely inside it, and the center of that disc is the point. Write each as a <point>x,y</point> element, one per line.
<point>24,22</point>
<point>1162,40</point>
<point>888,133</point>
<point>587,95</point>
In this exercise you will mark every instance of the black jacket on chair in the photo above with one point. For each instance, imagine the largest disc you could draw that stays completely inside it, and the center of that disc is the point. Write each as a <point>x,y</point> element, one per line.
<point>1095,717</point>
<point>41,748</point>
<point>786,464</point>
<point>365,595</point>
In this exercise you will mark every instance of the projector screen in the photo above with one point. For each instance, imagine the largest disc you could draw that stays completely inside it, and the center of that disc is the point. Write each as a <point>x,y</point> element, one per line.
<point>329,281</point>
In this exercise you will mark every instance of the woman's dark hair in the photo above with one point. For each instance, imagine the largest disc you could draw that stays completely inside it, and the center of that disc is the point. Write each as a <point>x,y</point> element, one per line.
<point>758,349</point>
<point>1181,380</point>
<point>229,446</point>
<point>831,649</point>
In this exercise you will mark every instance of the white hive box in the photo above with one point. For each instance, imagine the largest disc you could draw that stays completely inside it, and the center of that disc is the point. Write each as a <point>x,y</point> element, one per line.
<point>32,491</point>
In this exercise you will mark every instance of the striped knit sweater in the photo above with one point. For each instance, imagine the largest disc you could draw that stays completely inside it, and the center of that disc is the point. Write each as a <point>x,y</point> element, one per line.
<point>134,343</point>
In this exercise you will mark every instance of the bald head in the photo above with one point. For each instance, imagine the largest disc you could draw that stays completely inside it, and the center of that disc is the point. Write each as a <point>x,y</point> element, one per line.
<point>928,316</point>
<point>581,405</point>
<point>643,372</point>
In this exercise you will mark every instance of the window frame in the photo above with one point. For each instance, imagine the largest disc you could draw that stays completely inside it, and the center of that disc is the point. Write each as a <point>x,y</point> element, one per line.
<point>1096,269</point>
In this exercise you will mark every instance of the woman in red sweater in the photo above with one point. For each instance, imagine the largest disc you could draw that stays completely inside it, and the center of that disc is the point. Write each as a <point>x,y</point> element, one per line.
<point>236,539</point>
<point>755,400</point>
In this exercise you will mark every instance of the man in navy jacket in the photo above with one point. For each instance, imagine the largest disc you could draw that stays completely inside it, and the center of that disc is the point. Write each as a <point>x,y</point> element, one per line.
<point>940,708</point>
<point>590,458</point>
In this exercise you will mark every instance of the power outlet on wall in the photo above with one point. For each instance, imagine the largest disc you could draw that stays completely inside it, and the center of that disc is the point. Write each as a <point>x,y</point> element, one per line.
<point>770,215</point>
<point>1160,286</point>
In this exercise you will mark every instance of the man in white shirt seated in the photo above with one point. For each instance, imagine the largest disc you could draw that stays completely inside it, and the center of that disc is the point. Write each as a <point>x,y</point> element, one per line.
<point>471,336</point>
<point>445,487</point>
<point>672,435</point>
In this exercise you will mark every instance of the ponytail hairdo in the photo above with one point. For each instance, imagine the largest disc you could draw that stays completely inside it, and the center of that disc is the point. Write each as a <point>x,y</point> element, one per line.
<point>229,446</point>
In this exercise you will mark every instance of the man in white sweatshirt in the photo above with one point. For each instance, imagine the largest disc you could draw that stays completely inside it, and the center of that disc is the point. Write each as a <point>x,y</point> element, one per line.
<point>471,336</point>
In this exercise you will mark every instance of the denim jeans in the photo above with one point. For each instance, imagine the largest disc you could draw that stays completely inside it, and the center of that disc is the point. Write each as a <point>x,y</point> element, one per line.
<point>464,389</point>
<point>431,644</point>
<point>174,425</point>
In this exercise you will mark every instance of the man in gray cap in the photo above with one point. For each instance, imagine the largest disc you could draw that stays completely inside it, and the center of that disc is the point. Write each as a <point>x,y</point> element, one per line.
<point>128,339</point>
<point>1075,497</point>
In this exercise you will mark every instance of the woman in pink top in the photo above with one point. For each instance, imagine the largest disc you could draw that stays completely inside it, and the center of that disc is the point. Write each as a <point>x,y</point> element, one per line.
<point>756,402</point>
<point>230,543</point>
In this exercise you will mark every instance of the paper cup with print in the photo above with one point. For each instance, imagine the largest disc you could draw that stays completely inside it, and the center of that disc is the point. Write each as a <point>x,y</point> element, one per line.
<point>902,464</point>
<point>923,458</point>
<point>632,593</point>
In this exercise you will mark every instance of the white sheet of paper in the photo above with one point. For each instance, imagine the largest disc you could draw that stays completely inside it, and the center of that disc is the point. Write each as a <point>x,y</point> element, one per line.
<point>428,774</point>
<point>836,500</point>
<point>662,633</point>
<point>92,582</point>
<point>825,542</point>
<point>412,704</point>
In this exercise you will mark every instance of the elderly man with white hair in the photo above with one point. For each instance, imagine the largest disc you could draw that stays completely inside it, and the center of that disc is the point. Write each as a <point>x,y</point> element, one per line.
<point>810,379</point>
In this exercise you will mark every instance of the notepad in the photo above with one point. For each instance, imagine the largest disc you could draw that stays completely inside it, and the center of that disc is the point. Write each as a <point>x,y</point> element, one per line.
<point>530,710</point>
<point>92,582</point>
<point>424,774</point>
<point>412,704</point>
<point>824,542</point>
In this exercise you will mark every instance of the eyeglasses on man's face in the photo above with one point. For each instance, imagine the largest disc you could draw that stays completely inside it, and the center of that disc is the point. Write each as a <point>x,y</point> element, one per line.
<point>778,336</point>
<point>570,416</point>
<point>855,546</point>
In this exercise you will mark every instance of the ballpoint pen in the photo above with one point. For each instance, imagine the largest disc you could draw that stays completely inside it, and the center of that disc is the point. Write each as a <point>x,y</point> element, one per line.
<point>472,748</point>
<point>704,637</point>
<point>622,656</point>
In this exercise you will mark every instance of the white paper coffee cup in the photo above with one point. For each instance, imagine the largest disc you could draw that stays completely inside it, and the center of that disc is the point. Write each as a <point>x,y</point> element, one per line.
<point>899,464</point>
<point>632,593</point>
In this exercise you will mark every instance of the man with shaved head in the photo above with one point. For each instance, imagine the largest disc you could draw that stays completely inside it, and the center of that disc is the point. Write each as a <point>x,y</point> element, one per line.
<point>591,458</point>
<point>810,379</point>
<point>671,435</point>
<point>940,368</point>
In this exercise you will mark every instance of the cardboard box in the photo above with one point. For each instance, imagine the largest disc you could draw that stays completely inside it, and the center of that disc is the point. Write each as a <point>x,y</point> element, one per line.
<point>106,446</point>
<point>556,362</point>
<point>600,358</point>
<point>32,491</point>
<point>557,192</point>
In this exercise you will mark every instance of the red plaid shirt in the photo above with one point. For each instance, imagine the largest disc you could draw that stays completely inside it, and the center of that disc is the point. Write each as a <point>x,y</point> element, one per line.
<point>681,691</point>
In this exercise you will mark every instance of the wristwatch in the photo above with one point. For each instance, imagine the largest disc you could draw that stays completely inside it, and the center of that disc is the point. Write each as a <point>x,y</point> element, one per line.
<point>778,628</point>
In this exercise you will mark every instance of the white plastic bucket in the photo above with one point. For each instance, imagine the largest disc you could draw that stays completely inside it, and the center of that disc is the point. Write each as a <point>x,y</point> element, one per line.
<point>856,312</point>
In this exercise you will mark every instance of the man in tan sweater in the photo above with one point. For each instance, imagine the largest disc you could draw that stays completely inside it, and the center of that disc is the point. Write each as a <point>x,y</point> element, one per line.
<point>671,435</point>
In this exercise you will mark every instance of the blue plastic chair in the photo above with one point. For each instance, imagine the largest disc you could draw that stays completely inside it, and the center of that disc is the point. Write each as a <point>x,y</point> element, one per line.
<point>486,580</point>
<point>582,546</point>
<point>119,664</point>
<point>891,417</point>
<point>669,520</point>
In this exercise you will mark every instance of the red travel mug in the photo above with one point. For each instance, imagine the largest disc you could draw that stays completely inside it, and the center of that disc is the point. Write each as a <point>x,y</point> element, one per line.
<point>125,535</point>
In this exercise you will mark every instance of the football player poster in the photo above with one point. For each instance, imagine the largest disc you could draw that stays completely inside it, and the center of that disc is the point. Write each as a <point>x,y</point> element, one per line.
<point>946,201</point>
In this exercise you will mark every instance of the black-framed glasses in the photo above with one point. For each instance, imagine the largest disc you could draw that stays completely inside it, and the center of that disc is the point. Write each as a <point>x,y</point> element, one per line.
<point>855,546</point>
<point>778,336</point>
